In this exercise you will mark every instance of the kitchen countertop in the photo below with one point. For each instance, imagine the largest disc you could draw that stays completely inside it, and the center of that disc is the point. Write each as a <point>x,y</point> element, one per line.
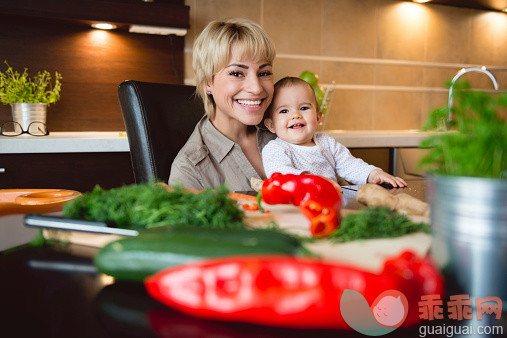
<point>410,138</point>
<point>66,142</point>
<point>116,141</point>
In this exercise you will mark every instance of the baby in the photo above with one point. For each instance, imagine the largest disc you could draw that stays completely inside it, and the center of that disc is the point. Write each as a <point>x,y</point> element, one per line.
<point>294,116</point>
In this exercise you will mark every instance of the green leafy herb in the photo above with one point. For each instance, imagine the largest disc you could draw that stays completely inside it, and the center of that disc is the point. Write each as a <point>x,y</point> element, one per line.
<point>39,240</point>
<point>478,147</point>
<point>375,222</point>
<point>19,88</point>
<point>147,205</point>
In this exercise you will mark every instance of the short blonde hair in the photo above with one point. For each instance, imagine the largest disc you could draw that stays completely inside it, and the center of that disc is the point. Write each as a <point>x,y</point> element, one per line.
<point>212,50</point>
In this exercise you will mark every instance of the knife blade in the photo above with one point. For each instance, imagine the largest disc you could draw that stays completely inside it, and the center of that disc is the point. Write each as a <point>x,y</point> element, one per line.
<point>61,223</point>
<point>351,187</point>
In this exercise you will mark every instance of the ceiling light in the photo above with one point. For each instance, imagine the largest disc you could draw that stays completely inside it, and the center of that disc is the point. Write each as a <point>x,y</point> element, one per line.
<point>421,1</point>
<point>102,25</point>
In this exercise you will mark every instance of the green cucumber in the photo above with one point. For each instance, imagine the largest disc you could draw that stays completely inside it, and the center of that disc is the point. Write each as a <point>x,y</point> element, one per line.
<point>136,258</point>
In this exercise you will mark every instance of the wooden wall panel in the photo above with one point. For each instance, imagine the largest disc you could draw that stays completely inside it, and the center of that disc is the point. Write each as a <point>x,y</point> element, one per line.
<point>92,63</point>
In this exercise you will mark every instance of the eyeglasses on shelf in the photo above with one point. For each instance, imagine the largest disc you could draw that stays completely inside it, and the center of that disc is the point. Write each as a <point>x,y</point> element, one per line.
<point>13,128</point>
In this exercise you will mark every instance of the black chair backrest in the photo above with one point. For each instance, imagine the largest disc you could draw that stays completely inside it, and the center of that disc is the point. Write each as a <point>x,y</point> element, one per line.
<point>159,119</point>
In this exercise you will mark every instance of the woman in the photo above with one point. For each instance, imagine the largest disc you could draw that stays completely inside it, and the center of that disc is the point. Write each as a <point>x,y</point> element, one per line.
<point>233,69</point>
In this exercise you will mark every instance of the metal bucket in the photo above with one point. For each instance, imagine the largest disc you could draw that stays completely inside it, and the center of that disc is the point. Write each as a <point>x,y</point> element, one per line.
<point>469,227</point>
<point>26,113</point>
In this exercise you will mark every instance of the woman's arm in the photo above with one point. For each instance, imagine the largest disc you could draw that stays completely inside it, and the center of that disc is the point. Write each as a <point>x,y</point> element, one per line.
<point>184,173</point>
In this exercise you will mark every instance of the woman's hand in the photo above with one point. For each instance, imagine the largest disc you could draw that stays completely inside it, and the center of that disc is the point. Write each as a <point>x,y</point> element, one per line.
<point>379,176</point>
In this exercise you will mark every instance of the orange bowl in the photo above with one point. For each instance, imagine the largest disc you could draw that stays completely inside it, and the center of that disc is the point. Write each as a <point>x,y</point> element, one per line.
<point>26,201</point>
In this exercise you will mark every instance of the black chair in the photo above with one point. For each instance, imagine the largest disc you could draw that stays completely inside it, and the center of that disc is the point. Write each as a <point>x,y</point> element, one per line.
<point>158,118</point>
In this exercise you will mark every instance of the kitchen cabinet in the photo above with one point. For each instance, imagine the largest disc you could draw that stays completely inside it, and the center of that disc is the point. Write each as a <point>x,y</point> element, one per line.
<point>379,157</point>
<point>407,160</point>
<point>122,13</point>
<point>391,150</point>
<point>75,171</point>
<point>67,160</point>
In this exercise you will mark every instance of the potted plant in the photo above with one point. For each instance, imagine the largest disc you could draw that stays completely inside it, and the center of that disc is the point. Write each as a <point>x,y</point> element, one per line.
<point>468,192</point>
<point>29,97</point>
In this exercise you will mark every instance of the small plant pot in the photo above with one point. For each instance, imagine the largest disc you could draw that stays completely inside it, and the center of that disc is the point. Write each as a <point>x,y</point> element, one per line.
<point>26,113</point>
<point>469,229</point>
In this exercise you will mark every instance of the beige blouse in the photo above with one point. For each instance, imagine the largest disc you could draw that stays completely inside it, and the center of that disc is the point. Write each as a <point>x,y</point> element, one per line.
<point>210,159</point>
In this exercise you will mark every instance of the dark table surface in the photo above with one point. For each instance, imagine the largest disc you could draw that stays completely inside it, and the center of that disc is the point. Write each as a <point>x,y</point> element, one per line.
<point>56,292</point>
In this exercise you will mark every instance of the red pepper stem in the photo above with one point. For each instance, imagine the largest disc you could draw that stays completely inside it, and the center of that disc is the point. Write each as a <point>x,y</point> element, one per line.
<point>259,198</point>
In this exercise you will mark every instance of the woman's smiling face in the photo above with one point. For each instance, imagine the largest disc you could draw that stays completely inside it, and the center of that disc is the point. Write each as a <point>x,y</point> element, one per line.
<point>242,90</point>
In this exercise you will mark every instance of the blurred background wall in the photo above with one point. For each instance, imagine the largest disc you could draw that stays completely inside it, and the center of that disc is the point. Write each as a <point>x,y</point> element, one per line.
<point>57,36</point>
<point>389,59</point>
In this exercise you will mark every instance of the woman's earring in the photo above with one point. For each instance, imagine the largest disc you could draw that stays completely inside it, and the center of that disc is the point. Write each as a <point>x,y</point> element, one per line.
<point>208,92</point>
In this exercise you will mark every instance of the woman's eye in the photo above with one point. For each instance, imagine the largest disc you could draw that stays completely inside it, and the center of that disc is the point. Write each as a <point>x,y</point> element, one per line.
<point>235,73</point>
<point>265,73</point>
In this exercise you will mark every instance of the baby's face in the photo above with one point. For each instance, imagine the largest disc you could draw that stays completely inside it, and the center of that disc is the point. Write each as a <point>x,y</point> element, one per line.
<point>294,115</point>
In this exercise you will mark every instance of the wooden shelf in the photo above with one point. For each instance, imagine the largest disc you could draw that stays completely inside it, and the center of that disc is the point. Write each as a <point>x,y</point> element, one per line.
<point>174,14</point>
<point>488,5</point>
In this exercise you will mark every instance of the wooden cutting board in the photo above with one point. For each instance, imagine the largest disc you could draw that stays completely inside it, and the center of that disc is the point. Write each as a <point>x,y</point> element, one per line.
<point>366,254</point>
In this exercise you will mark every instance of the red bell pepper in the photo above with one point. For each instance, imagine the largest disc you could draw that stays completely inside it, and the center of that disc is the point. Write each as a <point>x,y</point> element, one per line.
<point>250,206</point>
<point>286,291</point>
<point>316,197</point>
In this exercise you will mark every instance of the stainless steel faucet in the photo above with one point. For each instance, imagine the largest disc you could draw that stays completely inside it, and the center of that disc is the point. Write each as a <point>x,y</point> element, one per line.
<point>463,71</point>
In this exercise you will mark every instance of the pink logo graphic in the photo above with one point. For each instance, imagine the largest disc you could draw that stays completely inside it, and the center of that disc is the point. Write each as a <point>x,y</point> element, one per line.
<point>390,308</point>
<point>385,315</point>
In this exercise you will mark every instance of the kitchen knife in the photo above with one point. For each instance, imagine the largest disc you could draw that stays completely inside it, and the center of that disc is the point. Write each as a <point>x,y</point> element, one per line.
<point>60,223</point>
<point>350,187</point>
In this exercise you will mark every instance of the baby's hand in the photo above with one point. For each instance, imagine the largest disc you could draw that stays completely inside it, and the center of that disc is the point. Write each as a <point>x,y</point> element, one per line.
<point>379,176</point>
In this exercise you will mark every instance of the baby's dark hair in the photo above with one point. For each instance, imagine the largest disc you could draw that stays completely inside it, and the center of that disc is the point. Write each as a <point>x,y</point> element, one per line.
<point>288,81</point>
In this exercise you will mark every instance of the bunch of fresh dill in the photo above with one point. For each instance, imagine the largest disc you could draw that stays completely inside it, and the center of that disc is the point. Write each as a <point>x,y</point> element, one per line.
<point>141,206</point>
<point>375,222</point>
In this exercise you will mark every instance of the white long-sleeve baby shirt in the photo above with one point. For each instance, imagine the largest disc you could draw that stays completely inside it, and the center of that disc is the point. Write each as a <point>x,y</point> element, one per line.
<point>327,158</point>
